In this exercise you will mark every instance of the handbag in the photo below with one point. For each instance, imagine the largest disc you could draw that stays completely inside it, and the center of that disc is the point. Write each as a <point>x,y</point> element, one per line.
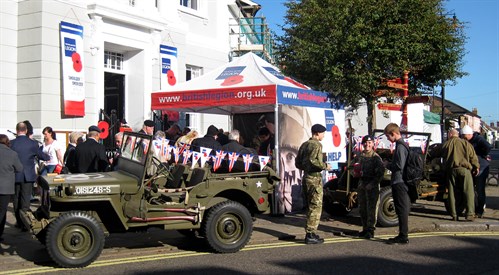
<point>58,169</point>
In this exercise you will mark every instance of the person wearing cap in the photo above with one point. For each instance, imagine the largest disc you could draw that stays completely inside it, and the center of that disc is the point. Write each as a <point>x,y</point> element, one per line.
<point>401,199</point>
<point>482,149</point>
<point>208,141</point>
<point>91,155</point>
<point>310,160</point>
<point>460,162</point>
<point>372,171</point>
<point>148,127</point>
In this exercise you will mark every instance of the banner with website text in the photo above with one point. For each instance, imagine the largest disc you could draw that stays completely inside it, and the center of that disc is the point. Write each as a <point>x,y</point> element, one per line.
<point>73,72</point>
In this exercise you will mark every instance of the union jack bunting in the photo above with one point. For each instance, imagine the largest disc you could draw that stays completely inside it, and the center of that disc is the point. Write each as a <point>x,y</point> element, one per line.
<point>195,157</point>
<point>205,155</point>
<point>217,159</point>
<point>263,160</point>
<point>165,147</point>
<point>187,154</point>
<point>232,159</point>
<point>392,147</point>
<point>376,142</point>
<point>184,146</point>
<point>423,146</point>
<point>247,158</point>
<point>358,143</point>
<point>176,153</point>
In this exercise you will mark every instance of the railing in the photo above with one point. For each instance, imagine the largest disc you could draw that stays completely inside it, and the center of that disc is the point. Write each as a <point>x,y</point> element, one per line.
<point>251,35</point>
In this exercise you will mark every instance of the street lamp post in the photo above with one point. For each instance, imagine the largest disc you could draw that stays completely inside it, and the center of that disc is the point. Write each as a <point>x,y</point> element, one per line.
<point>442,117</point>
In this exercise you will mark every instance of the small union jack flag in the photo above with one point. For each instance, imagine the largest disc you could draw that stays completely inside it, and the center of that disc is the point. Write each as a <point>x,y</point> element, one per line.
<point>176,153</point>
<point>247,158</point>
<point>217,159</point>
<point>263,160</point>
<point>187,154</point>
<point>232,159</point>
<point>195,158</point>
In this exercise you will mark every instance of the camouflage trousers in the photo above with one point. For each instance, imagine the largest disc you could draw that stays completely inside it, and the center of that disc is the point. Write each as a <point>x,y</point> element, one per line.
<point>312,186</point>
<point>368,197</point>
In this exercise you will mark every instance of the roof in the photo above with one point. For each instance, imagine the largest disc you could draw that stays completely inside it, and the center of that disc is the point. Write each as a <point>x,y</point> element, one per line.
<point>248,84</point>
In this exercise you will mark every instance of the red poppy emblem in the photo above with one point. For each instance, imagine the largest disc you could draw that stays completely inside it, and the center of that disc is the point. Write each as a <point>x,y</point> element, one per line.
<point>172,80</point>
<point>233,80</point>
<point>77,66</point>
<point>294,82</point>
<point>336,136</point>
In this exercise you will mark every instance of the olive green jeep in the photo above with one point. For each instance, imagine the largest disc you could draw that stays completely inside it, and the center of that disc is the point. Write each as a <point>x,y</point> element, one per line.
<point>78,211</point>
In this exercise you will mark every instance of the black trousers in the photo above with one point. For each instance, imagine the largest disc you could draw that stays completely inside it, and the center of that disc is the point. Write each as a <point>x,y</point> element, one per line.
<point>4,203</point>
<point>22,198</point>
<point>402,204</point>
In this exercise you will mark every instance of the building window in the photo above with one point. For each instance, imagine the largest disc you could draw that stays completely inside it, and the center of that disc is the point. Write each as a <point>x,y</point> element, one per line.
<point>193,4</point>
<point>113,60</point>
<point>192,72</point>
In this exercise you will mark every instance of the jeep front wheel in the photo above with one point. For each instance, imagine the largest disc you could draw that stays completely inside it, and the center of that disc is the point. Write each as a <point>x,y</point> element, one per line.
<point>387,216</point>
<point>227,227</point>
<point>74,239</point>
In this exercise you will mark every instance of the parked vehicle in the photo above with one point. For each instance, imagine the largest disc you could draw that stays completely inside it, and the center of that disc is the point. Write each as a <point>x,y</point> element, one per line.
<point>79,210</point>
<point>340,195</point>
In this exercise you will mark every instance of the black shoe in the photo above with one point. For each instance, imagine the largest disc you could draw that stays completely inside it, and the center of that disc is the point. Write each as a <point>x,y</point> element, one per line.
<point>312,238</point>
<point>362,234</point>
<point>369,234</point>
<point>398,240</point>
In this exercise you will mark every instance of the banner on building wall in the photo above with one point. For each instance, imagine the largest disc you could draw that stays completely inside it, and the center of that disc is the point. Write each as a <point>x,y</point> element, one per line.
<point>169,66</point>
<point>73,73</point>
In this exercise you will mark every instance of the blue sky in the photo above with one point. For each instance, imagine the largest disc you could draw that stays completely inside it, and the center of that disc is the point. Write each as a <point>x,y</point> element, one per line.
<point>480,89</point>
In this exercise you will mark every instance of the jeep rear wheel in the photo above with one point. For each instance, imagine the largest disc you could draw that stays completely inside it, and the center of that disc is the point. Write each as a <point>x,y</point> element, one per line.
<point>74,239</point>
<point>387,216</point>
<point>227,227</point>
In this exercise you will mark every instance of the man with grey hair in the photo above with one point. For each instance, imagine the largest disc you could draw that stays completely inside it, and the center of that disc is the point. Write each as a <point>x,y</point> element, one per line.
<point>234,146</point>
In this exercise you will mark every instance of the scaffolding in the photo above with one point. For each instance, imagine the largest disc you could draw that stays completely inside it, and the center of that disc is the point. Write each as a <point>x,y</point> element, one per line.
<point>251,34</point>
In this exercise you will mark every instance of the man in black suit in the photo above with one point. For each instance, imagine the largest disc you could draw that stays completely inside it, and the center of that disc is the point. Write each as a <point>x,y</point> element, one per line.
<point>91,155</point>
<point>27,150</point>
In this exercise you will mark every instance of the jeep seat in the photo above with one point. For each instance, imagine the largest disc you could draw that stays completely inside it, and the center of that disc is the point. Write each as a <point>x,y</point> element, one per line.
<point>177,176</point>
<point>197,176</point>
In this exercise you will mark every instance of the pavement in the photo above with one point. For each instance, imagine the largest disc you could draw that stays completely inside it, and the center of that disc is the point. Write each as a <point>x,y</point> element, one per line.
<point>19,249</point>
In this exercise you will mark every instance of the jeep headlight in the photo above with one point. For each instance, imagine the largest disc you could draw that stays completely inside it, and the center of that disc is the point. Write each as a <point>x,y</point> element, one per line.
<point>69,190</point>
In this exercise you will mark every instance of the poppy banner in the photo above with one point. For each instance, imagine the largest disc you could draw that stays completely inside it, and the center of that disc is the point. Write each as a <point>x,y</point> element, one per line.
<point>73,69</point>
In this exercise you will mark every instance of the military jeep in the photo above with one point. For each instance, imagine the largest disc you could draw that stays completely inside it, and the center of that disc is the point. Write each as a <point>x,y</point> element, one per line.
<point>340,196</point>
<point>79,210</point>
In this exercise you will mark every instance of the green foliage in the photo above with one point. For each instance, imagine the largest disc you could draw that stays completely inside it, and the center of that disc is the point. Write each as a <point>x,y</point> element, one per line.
<point>345,47</point>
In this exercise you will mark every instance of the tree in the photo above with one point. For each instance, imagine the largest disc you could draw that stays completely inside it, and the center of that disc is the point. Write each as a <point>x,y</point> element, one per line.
<point>346,47</point>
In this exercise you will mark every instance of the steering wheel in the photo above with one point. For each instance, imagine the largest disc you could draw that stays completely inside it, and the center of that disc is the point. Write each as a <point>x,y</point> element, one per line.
<point>162,169</point>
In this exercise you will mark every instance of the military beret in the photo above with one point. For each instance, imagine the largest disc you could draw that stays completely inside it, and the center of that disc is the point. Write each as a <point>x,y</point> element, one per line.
<point>94,128</point>
<point>367,138</point>
<point>318,128</point>
<point>149,123</point>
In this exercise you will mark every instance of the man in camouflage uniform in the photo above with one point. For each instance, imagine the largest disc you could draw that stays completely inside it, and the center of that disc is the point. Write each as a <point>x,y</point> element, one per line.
<point>460,162</point>
<point>372,170</point>
<point>309,159</point>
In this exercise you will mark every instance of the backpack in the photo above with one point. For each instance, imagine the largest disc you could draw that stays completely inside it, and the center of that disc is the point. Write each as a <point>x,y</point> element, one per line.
<point>413,170</point>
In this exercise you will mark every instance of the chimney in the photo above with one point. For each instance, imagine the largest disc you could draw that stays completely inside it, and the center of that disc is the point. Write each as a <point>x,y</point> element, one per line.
<point>492,124</point>
<point>475,111</point>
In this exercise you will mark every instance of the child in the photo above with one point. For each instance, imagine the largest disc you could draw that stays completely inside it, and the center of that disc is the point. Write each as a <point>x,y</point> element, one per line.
<point>372,171</point>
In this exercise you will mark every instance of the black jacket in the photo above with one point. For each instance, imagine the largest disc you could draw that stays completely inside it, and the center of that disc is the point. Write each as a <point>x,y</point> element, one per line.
<point>91,157</point>
<point>206,141</point>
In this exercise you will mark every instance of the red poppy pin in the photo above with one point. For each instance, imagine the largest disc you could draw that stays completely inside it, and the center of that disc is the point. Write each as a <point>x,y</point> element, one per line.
<point>172,80</point>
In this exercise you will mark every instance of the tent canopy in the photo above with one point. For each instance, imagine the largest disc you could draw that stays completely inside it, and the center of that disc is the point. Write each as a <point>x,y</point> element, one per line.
<point>248,84</point>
